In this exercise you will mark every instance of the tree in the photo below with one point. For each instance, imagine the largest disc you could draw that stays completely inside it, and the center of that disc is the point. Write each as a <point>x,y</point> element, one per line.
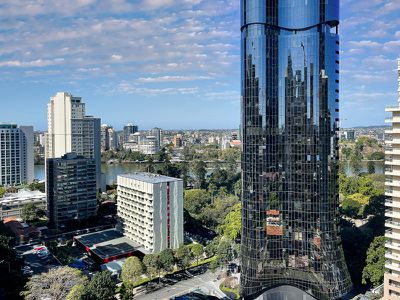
<point>153,264</point>
<point>355,162</point>
<point>76,293</point>
<point>346,153</point>
<point>350,207</point>
<point>232,224</point>
<point>214,265</point>
<point>132,269</point>
<point>211,248</point>
<point>375,263</point>
<point>167,260</point>
<point>377,155</point>
<point>37,186</point>
<point>224,251</point>
<point>102,286</point>
<point>161,155</point>
<point>197,250</point>
<point>195,200</point>
<point>29,212</point>
<point>55,284</point>
<point>2,191</point>
<point>214,215</point>
<point>199,172</point>
<point>371,167</point>
<point>183,256</point>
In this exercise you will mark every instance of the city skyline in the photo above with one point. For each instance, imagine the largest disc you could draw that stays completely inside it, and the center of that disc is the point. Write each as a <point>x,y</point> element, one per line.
<point>159,58</point>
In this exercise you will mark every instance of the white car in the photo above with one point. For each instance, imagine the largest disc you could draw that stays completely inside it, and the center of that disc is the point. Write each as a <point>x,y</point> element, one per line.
<point>27,272</point>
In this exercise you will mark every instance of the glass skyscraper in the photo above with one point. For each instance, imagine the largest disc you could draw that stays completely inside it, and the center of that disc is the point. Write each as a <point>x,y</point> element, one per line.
<point>290,95</point>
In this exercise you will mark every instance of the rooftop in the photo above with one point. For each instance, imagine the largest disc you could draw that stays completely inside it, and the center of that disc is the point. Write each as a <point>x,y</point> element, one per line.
<point>149,177</point>
<point>108,243</point>
<point>23,195</point>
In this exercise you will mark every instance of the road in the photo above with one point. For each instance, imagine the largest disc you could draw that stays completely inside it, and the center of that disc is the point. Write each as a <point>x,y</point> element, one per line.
<point>206,282</point>
<point>38,265</point>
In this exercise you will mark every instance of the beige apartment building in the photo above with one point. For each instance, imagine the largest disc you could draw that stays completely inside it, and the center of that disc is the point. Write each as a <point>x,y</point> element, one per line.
<point>392,191</point>
<point>150,210</point>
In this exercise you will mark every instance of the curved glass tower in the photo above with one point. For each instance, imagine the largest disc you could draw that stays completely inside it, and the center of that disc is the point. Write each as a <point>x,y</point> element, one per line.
<point>290,92</point>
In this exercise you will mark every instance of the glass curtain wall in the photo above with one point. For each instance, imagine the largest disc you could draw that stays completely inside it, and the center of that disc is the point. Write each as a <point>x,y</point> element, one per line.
<point>290,95</point>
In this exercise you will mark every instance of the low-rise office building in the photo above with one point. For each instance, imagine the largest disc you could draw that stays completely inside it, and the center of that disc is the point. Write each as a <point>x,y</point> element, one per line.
<point>150,210</point>
<point>11,204</point>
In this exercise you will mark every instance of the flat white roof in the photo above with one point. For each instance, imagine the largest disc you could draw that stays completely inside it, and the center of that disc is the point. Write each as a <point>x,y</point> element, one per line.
<point>149,177</point>
<point>23,195</point>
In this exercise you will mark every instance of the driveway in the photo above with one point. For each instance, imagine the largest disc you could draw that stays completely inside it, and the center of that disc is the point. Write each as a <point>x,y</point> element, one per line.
<point>206,282</point>
<point>37,264</point>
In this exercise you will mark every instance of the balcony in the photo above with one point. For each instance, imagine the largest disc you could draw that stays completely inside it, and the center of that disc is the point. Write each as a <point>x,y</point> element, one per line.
<point>392,214</point>
<point>394,183</point>
<point>392,224</point>
<point>392,245</point>
<point>392,120</point>
<point>392,265</point>
<point>392,131</point>
<point>391,203</point>
<point>392,108</point>
<point>390,255</point>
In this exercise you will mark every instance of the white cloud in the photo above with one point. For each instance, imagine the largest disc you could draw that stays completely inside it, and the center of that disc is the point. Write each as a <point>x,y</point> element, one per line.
<point>33,63</point>
<point>131,88</point>
<point>175,78</point>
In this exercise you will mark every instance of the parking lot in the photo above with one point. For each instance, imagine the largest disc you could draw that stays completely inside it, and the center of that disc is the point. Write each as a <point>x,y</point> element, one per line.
<point>37,264</point>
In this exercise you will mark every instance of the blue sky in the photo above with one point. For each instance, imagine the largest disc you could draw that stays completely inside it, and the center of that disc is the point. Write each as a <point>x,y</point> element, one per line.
<point>170,63</point>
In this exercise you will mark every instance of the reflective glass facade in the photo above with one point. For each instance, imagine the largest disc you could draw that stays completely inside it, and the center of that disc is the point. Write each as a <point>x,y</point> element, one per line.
<point>290,92</point>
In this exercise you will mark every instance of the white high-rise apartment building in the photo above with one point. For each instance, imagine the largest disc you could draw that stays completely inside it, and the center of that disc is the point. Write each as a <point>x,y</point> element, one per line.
<point>109,139</point>
<point>392,191</point>
<point>150,210</point>
<point>70,130</point>
<point>16,154</point>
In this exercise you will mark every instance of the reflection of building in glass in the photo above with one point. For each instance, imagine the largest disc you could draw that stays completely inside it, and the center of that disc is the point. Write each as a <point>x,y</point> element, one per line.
<point>290,151</point>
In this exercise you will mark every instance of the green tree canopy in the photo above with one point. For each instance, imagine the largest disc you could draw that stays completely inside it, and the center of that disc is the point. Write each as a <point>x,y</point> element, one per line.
<point>102,286</point>
<point>29,212</point>
<point>197,250</point>
<point>76,293</point>
<point>2,191</point>
<point>195,200</point>
<point>375,263</point>
<point>214,215</point>
<point>232,224</point>
<point>132,269</point>
<point>152,263</point>
<point>183,256</point>
<point>199,172</point>
<point>167,260</point>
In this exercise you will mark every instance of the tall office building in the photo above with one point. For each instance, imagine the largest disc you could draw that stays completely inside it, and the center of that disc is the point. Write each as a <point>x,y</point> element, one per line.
<point>16,154</point>
<point>113,139</point>
<point>291,248</point>
<point>128,130</point>
<point>105,137</point>
<point>71,188</point>
<point>150,210</point>
<point>70,130</point>
<point>392,191</point>
<point>157,133</point>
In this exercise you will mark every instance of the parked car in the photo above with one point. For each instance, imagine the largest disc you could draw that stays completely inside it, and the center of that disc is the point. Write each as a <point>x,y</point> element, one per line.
<point>27,272</point>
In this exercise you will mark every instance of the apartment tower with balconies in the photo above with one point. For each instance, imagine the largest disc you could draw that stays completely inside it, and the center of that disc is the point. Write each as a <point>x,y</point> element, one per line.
<point>392,191</point>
